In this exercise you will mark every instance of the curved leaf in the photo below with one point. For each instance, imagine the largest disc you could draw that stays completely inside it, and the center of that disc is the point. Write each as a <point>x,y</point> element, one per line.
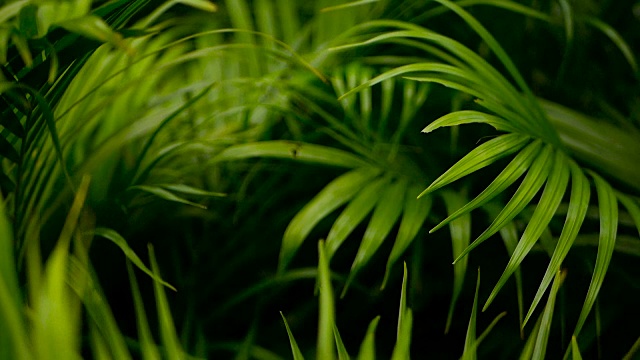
<point>608,230</point>
<point>385,215</point>
<point>482,156</point>
<point>578,204</point>
<point>334,195</point>
<point>469,117</point>
<point>546,208</point>
<point>529,187</point>
<point>508,176</point>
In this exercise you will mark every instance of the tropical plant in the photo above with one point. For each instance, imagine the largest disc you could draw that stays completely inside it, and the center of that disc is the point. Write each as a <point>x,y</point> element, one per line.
<point>221,138</point>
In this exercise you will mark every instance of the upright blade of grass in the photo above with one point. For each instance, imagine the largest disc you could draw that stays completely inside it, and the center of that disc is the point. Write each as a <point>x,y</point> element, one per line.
<point>342,350</point>
<point>415,213</point>
<point>326,320</point>
<point>608,230</point>
<point>575,350</point>
<point>170,340</point>
<point>482,156</point>
<point>578,204</point>
<point>633,208</point>
<point>527,351</point>
<point>402,350</point>
<point>470,345</point>
<point>354,213</point>
<point>460,237</point>
<point>403,302</point>
<point>531,184</point>
<point>284,149</point>
<point>384,216</point>
<point>542,336</point>
<point>117,239</point>
<point>147,345</point>
<point>368,346</point>
<point>546,208</point>
<point>297,354</point>
<point>338,192</point>
<point>13,336</point>
<point>512,172</point>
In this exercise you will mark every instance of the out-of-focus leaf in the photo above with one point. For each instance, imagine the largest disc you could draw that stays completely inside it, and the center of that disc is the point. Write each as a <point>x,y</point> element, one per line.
<point>282,149</point>
<point>531,184</point>
<point>385,215</point>
<point>189,190</point>
<point>512,172</point>
<point>117,239</point>
<point>615,37</point>
<point>578,204</point>
<point>633,208</point>
<point>338,192</point>
<point>166,195</point>
<point>636,346</point>
<point>326,315</point>
<point>470,346</point>
<point>354,213</point>
<point>170,340</point>
<point>93,27</point>
<point>478,158</point>
<point>297,354</point>
<point>415,213</point>
<point>460,230</point>
<point>608,229</point>
<point>546,208</point>
<point>147,345</point>
<point>368,346</point>
<point>542,337</point>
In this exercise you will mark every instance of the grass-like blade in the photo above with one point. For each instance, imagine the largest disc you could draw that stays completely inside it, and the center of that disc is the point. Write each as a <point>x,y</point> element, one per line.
<point>354,214</point>
<point>469,117</point>
<point>527,351</point>
<point>634,349</point>
<point>578,204</point>
<point>546,208</point>
<point>338,192</point>
<point>575,350</point>
<point>368,346</point>
<point>415,213</point>
<point>403,346</point>
<point>542,336</point>
<point>512,172</point>
<point>166,195</point>
<point>460,230</point>
<point>147,345</point>
<point>283,149</point>
<point>608,230</point>
<point>470,342</point>
<point>297,354</point>
<point>478,158</point>
<point>385,215</point>
<point>615,37</point>
<point>190,190</point>
<point>342,350</point>
<point>403,302</point>
<point>326,315</point>
<point>167,329</point>
<point>117,239</point>
<point>529,187</point>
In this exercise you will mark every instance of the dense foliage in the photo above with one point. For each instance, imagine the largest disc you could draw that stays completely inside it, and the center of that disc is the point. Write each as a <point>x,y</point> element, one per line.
<point>245,179</point>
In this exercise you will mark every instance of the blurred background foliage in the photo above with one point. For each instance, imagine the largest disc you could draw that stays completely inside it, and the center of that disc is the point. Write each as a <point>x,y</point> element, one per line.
<point>176,175</point>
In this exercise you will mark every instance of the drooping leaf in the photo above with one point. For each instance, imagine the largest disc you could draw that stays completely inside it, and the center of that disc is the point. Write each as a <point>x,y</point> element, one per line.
<point>546,208</point>
<point>608,230</point>
<point>354,214</point>
<point>512,172</point>
<point>531,184</point>
<point>483,155</point>
<point>338,192</point>
<point>415,213</point>
<point>384,217</point>
<point>578,204</point>
<point>469,117</point>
